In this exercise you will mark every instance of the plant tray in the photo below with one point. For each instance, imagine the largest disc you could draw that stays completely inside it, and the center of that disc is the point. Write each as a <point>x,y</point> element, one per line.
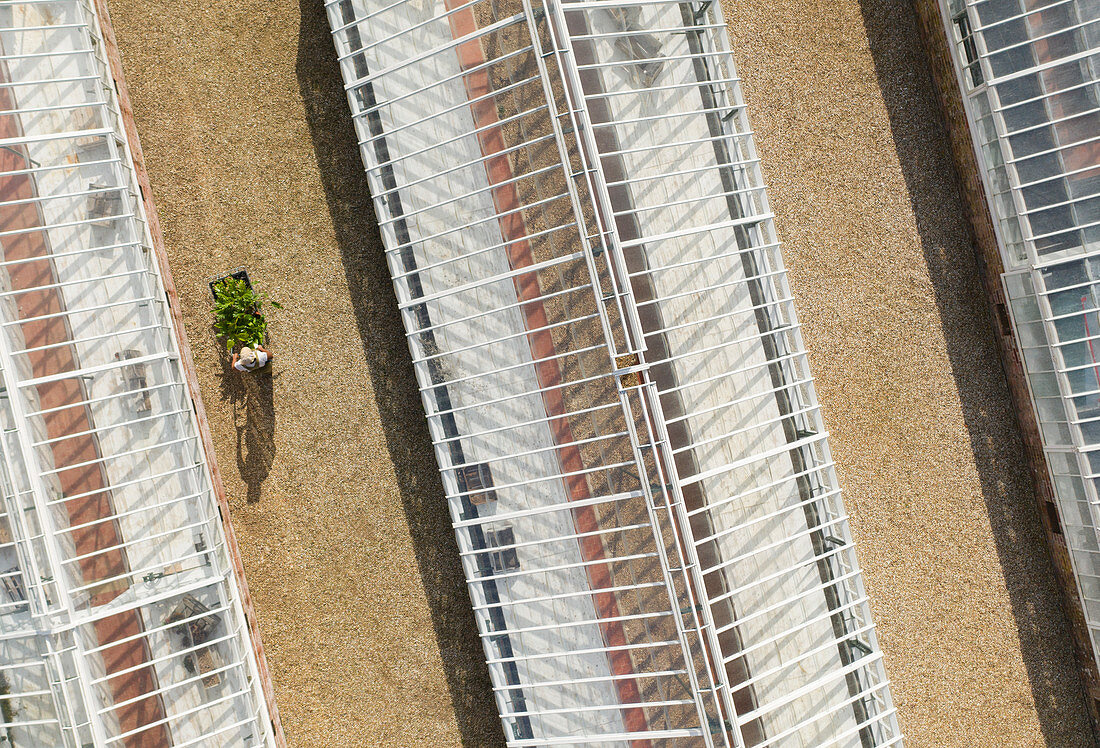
<point>236,273</point>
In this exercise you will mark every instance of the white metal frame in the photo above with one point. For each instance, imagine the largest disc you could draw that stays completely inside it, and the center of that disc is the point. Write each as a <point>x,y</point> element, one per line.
<point>1084,561</point>
<point>440,193</point>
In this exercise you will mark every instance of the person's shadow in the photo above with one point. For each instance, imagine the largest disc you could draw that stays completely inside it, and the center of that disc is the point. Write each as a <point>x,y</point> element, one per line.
<point>251,397</point>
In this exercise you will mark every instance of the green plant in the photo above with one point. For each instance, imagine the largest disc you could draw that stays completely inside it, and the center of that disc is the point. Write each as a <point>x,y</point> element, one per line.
<point>238,315</point>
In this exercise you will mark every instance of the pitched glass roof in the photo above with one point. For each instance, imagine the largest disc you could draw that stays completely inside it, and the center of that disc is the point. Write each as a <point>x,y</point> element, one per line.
<point>613,373</point>
<point>1030,74</point>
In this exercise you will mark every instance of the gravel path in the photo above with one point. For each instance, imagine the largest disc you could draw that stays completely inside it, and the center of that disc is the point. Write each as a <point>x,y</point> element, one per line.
<point>335,496</point>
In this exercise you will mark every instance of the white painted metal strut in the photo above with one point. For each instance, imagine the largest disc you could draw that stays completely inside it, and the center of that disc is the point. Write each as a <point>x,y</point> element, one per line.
<point>656,412</point>
<point>994,151</point>
<point>609,339</point>
<point>54,553</point>
<point>573,93</point>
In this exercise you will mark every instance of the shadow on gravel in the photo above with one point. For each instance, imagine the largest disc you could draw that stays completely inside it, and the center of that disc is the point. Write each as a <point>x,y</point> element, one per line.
<point>920,136</point>
<point>391,372</point>
<point>251,396</point>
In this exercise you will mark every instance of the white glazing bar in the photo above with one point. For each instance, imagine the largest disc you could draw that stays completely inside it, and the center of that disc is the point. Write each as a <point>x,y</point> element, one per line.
<point>700,56</point>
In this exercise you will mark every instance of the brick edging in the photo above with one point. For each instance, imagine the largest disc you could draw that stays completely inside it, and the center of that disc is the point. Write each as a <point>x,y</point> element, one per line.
<point>187,363</point>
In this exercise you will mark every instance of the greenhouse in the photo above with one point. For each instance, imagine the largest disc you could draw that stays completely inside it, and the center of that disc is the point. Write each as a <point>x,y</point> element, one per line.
<point>613,373</point>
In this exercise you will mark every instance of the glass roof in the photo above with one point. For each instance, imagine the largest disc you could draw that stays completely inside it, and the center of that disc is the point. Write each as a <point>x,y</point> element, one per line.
<point>613,373</point>
<point>1032,91</point>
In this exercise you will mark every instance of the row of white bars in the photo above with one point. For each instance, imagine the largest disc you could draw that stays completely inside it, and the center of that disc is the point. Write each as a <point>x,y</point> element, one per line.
<point>120,616</point>
<point>1030,75</point>
<point>613,373</point>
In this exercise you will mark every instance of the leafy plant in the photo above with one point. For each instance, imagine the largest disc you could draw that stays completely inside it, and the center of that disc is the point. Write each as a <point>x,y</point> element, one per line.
<point>238,315</point>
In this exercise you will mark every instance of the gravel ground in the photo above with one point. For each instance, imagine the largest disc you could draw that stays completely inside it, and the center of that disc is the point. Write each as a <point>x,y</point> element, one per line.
<point>335,497</point>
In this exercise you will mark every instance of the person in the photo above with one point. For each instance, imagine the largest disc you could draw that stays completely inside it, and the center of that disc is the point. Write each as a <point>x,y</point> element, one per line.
<point>250,359</point>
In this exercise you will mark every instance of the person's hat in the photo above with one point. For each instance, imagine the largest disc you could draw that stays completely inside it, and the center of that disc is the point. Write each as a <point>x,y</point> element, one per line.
<point>247,356</point>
